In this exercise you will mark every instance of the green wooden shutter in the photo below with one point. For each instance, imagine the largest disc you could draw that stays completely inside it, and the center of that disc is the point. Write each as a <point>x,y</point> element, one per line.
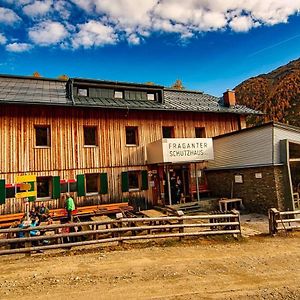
<point>80,185</point>
<point>2,191</point>
<point>125,183</point>
<point>31,199</point>
<point>144,180</point>
<point>103,183</point>
<point>55,187</point>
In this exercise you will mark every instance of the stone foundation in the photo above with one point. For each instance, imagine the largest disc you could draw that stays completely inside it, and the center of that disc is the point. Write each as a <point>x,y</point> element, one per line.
<point>258,194</point>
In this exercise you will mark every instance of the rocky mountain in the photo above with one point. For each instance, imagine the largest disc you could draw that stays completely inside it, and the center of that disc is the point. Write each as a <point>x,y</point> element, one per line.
<point>277,94</point>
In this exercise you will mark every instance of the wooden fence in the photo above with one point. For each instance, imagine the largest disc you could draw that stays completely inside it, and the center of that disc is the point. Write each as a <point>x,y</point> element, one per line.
<point>285,220</point>
<point>119,230</point>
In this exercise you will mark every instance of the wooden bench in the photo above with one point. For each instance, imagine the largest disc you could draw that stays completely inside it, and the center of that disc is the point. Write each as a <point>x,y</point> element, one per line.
<point>203,189</point>
<point>233,202</point>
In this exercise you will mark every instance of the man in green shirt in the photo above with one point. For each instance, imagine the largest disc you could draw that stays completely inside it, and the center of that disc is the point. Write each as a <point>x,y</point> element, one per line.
<point>70,206</point>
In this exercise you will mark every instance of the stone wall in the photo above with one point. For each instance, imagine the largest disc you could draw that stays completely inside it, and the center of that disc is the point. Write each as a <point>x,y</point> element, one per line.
<point>258,194</point>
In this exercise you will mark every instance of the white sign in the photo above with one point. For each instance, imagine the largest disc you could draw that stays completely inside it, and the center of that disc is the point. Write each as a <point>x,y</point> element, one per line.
<point>187,150</point>
<point>238,178</point>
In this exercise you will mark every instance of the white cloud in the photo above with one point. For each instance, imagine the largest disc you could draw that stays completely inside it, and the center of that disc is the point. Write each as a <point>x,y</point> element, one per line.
<point>18,47</point>
<point>188,17</point>
<point>63,8</point>
<point>92,34</point>
<point>103,22</point>
<point>38,8</point>
<point>48,33</point>
<point>8,16</point>
<point>241,24</point>
<point>86,5</point>
<point>3,39</point>
<point>133,39</point>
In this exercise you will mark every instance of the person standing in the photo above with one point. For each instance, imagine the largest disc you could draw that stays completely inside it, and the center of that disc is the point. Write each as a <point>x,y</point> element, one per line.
<point>173,188</point>
<point>178,189</point>
<point>70,206</point>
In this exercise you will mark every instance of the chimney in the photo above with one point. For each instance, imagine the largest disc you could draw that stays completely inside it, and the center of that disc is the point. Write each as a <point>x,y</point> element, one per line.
<point>229,98</point>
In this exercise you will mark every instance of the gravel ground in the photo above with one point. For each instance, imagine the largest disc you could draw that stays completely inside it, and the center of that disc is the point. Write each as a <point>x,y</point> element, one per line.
<point>216,268</point>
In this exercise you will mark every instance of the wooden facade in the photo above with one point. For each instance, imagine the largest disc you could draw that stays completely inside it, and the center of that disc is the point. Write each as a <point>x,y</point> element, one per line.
<point>68,111</point>
<point>67,156</point>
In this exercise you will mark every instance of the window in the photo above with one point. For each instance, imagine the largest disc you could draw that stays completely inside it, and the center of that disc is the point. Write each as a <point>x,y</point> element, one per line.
<point>10,192</point>
<point>92,183</point>
<point>200,132</point>
<point>82,92</point>
<point>168,132</point>
<point>133,180</point>
<point>43,187</point>
<point>151,96</point>
<point>42,136</point>
<point>118,94</point>
<point>64,187</point>
<point>90,133</point>
<point>132,136</point>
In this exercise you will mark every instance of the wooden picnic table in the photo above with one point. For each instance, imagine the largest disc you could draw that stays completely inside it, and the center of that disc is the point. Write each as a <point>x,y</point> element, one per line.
<point>152,213</point>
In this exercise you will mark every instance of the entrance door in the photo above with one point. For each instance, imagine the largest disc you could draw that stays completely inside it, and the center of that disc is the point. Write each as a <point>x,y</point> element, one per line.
<point>155,184</point>
<point>179,182</point>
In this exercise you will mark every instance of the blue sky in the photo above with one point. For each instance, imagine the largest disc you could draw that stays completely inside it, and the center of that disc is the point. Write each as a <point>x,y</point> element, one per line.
<point>211,45</point>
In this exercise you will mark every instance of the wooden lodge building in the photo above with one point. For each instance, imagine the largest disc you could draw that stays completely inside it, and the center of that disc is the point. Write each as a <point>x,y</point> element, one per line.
<point>103,141</point>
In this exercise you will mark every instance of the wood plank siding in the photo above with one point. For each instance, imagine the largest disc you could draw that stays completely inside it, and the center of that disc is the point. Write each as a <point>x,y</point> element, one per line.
<point>244,149</point>
<point>67,156</point>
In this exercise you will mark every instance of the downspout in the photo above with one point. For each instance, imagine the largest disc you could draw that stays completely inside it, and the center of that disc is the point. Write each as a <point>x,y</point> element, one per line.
<point>70,90</point>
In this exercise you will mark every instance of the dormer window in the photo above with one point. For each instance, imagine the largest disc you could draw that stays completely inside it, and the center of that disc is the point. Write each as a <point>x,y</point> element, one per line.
<point>82,92</point>
<point>119,95</point>
<point>151,96</point>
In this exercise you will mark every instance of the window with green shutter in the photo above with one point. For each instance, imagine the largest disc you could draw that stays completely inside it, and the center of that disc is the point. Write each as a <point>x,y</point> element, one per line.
<point>80,185</point>
<point>124,181</point>
<point>2,191</point>
<point>55,187</point>
<point>144,180</point>
<point>103,183</point>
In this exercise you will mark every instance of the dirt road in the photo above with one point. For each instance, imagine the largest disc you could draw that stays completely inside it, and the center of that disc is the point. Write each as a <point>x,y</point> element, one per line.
<point>255,268</point>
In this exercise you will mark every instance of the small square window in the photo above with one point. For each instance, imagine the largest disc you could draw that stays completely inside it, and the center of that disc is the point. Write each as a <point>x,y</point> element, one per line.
<point>64,187</point>
<point>119,95</point>
<point>43,187</point>
<point>151,96</point>
<point>200,132</point>
<point>168,132</point>
<point>82,92</point>
<point>42,136</point>
<point>132,136</point>
<point>90,135</point>
<point>92,183</point>
<point>10,192</point>
<point>134,180</point>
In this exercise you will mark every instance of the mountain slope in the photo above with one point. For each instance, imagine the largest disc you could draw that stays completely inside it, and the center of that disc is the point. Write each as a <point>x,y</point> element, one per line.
<point>277,94</point>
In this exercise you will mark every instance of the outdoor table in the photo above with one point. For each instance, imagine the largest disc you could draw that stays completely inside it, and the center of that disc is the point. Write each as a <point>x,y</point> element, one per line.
<point>223,202</point>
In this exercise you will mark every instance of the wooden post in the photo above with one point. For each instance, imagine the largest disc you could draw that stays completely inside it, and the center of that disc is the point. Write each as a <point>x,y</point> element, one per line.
<point>27,243</point>
<point>197,183</point>
<point>119,216</point>
<point>180,221</point>
<point>169,186</point>
<point>238,216</point>
<point>273,213</point>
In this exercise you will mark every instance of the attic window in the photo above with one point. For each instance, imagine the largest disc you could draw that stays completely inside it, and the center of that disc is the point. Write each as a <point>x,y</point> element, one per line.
<point>119,95</point>
<point>82,92</point>
<point>151,96</point>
